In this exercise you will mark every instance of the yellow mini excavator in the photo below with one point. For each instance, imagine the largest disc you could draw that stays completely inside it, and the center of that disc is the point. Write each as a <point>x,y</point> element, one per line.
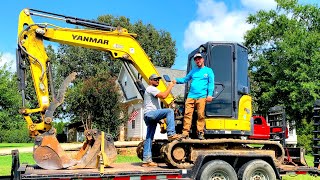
<point>228,120</point>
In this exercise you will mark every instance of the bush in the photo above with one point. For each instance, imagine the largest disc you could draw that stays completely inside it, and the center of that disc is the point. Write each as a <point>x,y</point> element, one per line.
<point>15,135</point>
<point>305,135</point>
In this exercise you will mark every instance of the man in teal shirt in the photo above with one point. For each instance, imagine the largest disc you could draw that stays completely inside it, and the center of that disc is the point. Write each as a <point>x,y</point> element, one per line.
<point>201,90</point>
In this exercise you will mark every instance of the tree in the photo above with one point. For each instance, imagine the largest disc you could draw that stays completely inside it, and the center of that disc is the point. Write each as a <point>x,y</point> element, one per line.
<point>97,105</point>
<point>9,99</point>
<point>284,66</point>
<point>12,126</point>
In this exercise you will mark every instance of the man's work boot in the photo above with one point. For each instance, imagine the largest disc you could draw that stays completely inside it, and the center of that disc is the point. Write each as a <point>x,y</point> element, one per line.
<point>185,135</point>
<point>174,137</point>
<point>201,136</point>
<point>149,164</point>
<point>163,126</point>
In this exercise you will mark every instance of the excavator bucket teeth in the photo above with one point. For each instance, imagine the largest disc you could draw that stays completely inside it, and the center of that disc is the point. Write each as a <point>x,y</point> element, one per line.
<point>91,151</point>
<point>48,153</point>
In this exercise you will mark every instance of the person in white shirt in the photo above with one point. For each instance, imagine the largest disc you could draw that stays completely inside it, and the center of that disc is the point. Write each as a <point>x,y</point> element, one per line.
<point>153,114</point>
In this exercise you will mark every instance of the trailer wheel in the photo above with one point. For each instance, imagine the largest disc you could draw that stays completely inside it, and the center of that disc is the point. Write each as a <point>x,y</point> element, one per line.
<point>256,169</point>
<point>217,169</point>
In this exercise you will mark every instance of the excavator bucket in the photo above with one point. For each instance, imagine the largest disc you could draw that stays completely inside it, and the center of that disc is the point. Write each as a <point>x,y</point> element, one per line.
<point>97,150</point>
<point>295,156</point>
<point>48,153</point>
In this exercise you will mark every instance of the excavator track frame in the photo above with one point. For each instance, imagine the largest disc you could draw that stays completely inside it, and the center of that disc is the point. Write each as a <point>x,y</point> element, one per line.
<point>183,153</point>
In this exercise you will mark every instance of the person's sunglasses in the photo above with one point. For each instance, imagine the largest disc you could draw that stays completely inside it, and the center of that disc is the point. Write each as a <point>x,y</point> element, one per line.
<point>155,79</point>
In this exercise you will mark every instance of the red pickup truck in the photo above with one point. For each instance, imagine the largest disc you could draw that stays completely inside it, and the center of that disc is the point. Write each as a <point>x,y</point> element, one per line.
<point>261,129</point>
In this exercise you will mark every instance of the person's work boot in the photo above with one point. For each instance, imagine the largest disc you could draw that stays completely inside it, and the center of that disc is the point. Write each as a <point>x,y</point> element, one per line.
<point>149,164</point>
<point>201,136</point>
<point>185,135</point>
<point>174,137</point>
<point>163,126</point>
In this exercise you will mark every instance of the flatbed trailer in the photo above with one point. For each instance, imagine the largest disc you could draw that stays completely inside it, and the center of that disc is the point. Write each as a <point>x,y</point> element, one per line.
<point>119,171</point>
<point>221,165</point>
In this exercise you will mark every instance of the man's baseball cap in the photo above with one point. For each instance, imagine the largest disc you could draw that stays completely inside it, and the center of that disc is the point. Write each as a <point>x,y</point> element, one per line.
<point>154,76</point>
<point>197,55</point>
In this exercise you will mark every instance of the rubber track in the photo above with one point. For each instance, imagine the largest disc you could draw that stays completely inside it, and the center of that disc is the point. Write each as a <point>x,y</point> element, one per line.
<point>166,150</point>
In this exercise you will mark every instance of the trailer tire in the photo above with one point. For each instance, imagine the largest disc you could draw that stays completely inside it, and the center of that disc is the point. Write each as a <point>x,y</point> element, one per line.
<point>217,169</point>
<point>256,169</point>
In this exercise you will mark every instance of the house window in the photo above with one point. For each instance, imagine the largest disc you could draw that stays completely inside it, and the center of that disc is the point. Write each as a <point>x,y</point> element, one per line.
<point>133,124</point>
<point>125,79</point>
<point>80,136</point>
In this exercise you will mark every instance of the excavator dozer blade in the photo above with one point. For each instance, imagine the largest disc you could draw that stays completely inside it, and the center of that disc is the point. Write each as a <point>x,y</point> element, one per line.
<point>97,150</point>
<point>48,153</point>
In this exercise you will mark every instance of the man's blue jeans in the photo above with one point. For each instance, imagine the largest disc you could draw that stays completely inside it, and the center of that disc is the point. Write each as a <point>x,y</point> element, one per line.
<point>151,119</point>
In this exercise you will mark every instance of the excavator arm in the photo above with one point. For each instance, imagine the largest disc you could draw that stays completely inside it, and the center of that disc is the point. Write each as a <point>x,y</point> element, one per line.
<point>31,52</point>
<point>121,45</point>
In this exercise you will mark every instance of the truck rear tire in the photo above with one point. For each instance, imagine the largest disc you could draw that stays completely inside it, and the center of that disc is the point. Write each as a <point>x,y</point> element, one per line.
<point>217,169</point>
<point>256,169</point>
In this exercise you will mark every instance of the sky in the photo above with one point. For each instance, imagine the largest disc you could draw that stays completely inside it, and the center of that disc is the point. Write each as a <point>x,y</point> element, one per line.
<point>190,22</point>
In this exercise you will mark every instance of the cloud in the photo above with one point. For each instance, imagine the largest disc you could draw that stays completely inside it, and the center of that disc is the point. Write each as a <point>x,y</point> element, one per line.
<point>8,59</point>
<point>215,23</point>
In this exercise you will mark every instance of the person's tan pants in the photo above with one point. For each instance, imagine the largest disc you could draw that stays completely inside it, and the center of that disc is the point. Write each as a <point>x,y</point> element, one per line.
<point>189,108</point>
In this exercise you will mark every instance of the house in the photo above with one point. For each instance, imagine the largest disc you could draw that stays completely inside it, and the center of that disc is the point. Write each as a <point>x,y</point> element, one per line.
<point>136,128</point>
<point>292,139</point>
<point>75,132</point>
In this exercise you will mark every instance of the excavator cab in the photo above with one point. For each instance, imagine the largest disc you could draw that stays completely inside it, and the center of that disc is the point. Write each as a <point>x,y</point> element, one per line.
<point>228,118</point>
<point>230,111</point>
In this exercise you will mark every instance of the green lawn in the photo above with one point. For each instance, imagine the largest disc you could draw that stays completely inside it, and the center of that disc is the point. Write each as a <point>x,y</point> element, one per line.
<point>15,145</point>
<point>309,159</point>
<point>6,162</point>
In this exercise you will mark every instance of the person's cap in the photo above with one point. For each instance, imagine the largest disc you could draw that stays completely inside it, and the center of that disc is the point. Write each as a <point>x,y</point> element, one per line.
<point>197,55</point>
<point>154,76</point>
